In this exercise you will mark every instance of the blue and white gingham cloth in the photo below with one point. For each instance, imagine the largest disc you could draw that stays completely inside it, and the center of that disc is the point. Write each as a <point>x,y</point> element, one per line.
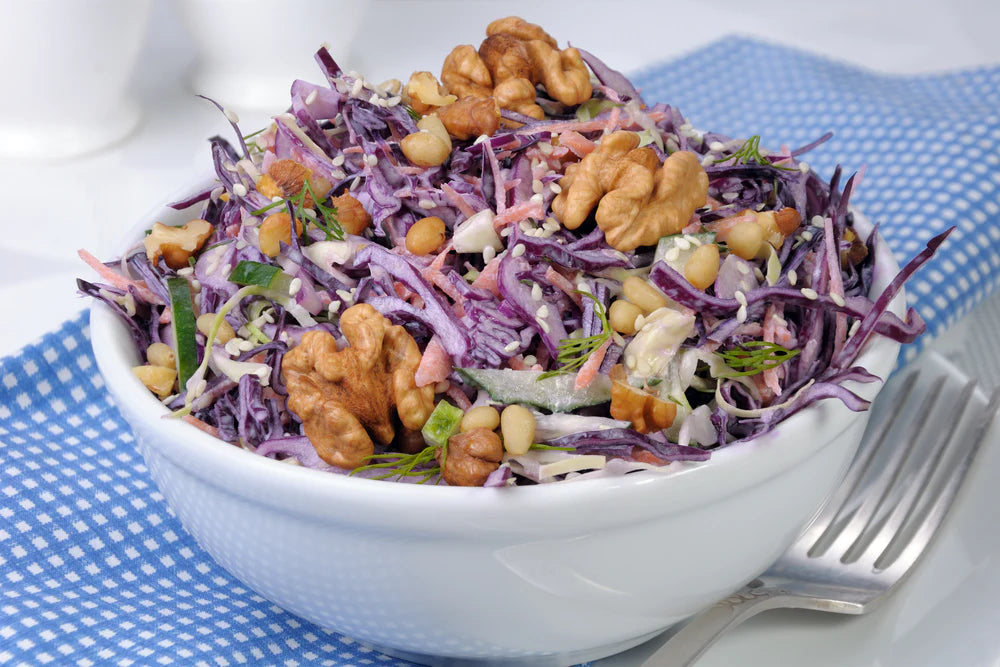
<point>95,568</point>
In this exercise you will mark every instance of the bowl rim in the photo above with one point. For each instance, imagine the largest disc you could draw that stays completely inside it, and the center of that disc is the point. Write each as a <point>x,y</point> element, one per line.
<point>360,501</point>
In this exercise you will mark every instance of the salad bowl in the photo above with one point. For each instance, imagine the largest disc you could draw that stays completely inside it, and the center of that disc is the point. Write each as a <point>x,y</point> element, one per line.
<point>552,574</point>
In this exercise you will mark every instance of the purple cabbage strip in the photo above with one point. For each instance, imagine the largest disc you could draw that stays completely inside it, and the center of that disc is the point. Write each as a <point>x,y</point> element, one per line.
<point>615,439</point>
<point>611,78</point>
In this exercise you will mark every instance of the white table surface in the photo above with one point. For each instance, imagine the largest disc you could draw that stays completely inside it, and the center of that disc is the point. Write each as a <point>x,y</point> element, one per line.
<point>53,208</point>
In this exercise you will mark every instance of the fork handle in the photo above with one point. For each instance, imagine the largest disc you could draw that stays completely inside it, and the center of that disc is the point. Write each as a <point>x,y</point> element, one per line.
<point>684,646</point>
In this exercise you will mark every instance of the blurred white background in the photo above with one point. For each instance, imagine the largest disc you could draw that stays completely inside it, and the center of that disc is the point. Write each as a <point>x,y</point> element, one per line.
<point>54,206</point>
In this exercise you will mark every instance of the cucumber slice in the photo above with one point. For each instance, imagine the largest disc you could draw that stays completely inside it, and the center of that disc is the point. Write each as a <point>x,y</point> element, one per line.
<point>555,393</point>
<point>183,324</point>
<point>677,248</point>
<point>442,424</point>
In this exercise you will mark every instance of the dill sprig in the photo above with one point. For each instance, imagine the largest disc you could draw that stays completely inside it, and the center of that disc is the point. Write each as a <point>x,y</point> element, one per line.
<point>750,152</point>
<point>326,220</point>
<point>397,464</point>
<point>574,352</point>
<point>755,356</point>
<point>413,114</point>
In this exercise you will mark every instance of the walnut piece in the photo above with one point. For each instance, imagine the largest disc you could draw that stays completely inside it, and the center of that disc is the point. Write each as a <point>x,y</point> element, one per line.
<point>647,413</point>
<point>511,61</point>
<point>638,201</point>
<point>471,457</point>
<point>564,74</point>
<point>464,74</point>
<point>285,178</point>
<point>348,398</point>
<point>351,215</point>
<point>176,245</point>
<point>517,27</point>
<point>471,117</point>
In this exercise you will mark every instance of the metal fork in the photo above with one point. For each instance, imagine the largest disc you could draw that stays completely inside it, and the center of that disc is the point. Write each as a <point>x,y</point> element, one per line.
<point>874,527</point>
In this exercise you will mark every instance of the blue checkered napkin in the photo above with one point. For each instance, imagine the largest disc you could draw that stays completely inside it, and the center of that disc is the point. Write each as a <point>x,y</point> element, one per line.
<point>94,567</point>
<point>930,145</point>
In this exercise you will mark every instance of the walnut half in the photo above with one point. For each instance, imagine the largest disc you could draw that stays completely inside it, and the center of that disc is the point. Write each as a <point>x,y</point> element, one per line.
<point>348,398</point>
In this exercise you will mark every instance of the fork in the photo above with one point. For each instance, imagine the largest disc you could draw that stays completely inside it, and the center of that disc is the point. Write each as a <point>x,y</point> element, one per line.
<point>875,526</point>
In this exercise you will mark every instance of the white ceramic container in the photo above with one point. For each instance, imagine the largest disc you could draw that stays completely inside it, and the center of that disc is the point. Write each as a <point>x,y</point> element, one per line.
<point>551,574</point>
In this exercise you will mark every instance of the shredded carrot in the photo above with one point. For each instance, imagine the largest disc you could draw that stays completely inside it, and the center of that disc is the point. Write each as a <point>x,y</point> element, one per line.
<point>457,395</point>
<point>517,363</point>
<point>518,212</point>
<point>457,200</point>
<point>564,283</point>
<point>588,371</point>
<point>576,142</point>
<point>201,426</point>
<point>117,279</point>
<point>435,364</point>
<point>442,256</point>
<point>487,278</point>
<point>558,127</point>
<point>644,456</point>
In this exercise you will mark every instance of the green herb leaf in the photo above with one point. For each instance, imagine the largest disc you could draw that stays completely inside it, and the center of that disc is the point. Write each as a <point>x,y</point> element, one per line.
<point>413,114</point>
<point>755,356</point>
<point>550,448</point>
<point>574,352</point>
<point>397,464</point>
<point>326,220</point>
<point>750,152</point>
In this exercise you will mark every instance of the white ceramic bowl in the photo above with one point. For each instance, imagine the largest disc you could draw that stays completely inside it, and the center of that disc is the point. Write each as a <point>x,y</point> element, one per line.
<point>549,574</point>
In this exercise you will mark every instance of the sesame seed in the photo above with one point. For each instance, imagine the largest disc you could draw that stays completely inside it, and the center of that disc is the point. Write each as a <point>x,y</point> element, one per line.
<point>185,271</point>
<point>530,360</point>
<point>357,88</point>
<point>294,286</point>
<point>375,100</point>
<point>583,287</point>
<point>338,174</point>
<point>481,138</point>
<point>505,232</point>
<point>231,115</point>
<point>536,292</point>
<point>337,161</point>
<point>807,235</point>
<point>511,346</point>
<point>355,182</point>
<point>758,274</point>
<point>630,361</point>
<point>525,225</point>
<point>275,199</point>
<point>393,101</point>
<point>817,221</point>
<point>740,297</point>
<point>793,277</point>
<point>240,244</point>
<point>743,268</point>
<point>640,321</point>
<point>730,196</point>
<point>618,339</point>
<point>543,311</point>
<point>854,328</point>
<point>717,146</point>
<point>426,204</point>
<point>673,254</point>
<point>489,252</point>
<point>372,160</point>
<point>240,190</point>
<point>333,307</point>
<point>311,97</point>
<point>804,167</point>
<point>809,293</point>
<point>232,347</point>
<point>555,188</point>
<point>217,192</point>
<point>537,198</point>
<point>345,296</point>
<point>542,324</point>
<point>837,299</point>
<point>693,240</point>
<point>707,161</point>
<point>536,186</point>
<point>683,244</point>
<point>741,314</point>
<point>518,250</point>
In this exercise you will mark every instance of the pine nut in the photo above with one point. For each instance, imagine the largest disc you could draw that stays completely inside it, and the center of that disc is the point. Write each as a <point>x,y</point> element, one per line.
<point>517,426</point>
<point>621,316</point>
<point>223,335</point>
<point>425,236</point>
<point>484,416</point>
<point>161,354</point>
<point>744,239</point>
<point>642,294</point>
<point>158,379</point>
<point>702,266</point>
